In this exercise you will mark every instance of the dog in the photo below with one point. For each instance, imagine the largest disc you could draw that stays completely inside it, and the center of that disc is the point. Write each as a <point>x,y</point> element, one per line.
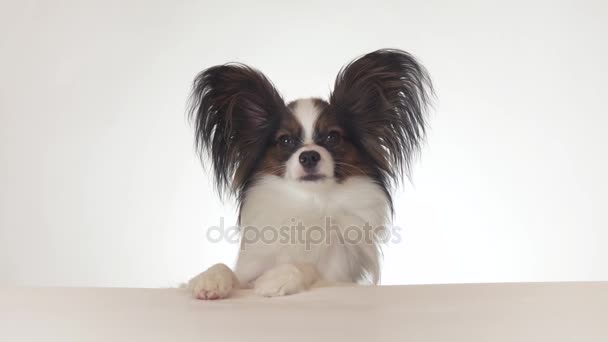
<point>310,169</point>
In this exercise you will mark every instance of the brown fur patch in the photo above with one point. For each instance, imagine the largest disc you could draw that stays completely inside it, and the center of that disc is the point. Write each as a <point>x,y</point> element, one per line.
<point>275,157</point>
<point>347,159</point>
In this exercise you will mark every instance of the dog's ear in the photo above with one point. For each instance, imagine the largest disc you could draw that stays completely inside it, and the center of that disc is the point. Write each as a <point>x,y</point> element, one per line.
<point>234,109</point>
<point>381,99</point>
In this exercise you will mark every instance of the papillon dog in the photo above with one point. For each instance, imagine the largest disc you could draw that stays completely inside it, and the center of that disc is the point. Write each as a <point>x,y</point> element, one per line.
<point>313,177</point>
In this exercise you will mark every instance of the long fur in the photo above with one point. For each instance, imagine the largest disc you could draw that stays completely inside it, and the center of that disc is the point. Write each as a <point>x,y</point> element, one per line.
<point>382,97</point>
<point>232,107</point>
<point>353,203</point>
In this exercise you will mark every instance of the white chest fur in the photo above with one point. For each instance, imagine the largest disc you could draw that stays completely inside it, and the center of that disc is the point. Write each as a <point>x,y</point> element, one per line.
<point>330,225</point>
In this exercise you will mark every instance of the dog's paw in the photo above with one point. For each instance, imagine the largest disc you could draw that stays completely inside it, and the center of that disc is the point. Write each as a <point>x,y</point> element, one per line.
<point>280,281</point>
<point>215,283</point>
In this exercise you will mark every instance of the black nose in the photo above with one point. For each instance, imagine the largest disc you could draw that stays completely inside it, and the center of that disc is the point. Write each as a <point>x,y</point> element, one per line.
<point>309,159</point>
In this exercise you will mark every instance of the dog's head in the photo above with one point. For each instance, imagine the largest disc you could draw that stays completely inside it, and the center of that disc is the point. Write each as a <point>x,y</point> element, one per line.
<point>372,124</point>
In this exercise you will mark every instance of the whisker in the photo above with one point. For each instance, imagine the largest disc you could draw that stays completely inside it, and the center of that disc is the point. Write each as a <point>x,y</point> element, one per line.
<point>351,166</point>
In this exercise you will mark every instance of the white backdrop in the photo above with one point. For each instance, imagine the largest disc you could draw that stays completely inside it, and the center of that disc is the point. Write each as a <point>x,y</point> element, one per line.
<point>100,185</point>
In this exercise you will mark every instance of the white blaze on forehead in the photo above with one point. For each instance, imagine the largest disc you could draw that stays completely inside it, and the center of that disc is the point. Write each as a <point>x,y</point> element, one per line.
<point>306,112</point>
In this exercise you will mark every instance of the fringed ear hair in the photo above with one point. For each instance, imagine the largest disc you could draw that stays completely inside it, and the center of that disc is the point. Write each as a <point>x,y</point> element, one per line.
<point>381,98</point>
<point>233,108</point>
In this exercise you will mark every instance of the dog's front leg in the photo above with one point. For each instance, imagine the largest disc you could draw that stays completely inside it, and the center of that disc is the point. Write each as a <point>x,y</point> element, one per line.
<point>286,279</point>
<point>215,283</point>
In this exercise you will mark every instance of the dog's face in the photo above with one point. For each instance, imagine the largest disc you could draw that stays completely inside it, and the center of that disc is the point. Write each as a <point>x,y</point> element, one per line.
<point>310,145</point>
<point>371,125</point>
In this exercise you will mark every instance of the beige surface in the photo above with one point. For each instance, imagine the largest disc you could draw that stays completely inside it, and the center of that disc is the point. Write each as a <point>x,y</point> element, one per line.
<point>490,312</point>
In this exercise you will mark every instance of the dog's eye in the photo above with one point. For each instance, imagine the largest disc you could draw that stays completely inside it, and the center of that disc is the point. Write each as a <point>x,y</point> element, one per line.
<point>333,138</point>
<point>285,140</point>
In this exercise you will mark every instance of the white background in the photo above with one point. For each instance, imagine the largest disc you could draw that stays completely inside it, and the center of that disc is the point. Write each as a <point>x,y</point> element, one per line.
<point>100,184</point>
